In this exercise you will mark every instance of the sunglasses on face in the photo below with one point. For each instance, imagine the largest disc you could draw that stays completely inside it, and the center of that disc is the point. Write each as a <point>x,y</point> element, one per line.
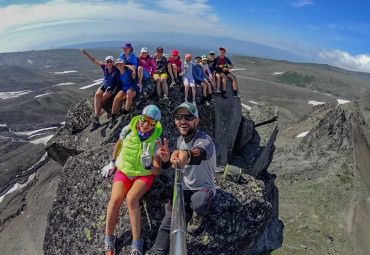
<point>174,55</point>
<point>109,61</point>
<point>188,117</point>
<point>187,59</point>
<point>151,121</point>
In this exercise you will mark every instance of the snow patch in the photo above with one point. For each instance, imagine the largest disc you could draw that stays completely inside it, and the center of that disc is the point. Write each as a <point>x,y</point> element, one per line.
<point>13,94</point>
<point>96,82</point>
<point>3,125</point>
<point>42,140</point>
<point>246,107</point>
<point>65,72</point>
<point>237,69</point>
<point>47,66</point>
<point>315,102</point>
<point>43,95</point>
<point>64,84</point>
<point>33,131</point>
<point>342,101</point>
<point>29,61</point>
<point>277,73</point>
<point>253,102</point>
<point>303,134</point>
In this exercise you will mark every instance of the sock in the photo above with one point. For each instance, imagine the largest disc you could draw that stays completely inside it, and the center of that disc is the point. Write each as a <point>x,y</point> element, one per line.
<point>109,239</point>
<point>224,92</point>
<point>235,92</point>
<point>124,111</point>
<point>137,243</point>
<point>114,116</point>
<point>209,96</point>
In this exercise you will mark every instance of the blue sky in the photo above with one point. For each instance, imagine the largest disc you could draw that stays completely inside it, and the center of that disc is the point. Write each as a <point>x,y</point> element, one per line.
<point>332,32</point>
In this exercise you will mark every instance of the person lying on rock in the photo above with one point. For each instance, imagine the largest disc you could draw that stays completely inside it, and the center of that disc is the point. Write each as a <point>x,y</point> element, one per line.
<point>129,89</point>
<point>135,157</point>
<point>109,87</point>
<point>196,154</point>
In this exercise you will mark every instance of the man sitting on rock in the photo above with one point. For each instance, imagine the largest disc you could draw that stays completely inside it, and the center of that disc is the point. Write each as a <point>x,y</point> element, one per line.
<point>135,157</point>
<point>196,154</point>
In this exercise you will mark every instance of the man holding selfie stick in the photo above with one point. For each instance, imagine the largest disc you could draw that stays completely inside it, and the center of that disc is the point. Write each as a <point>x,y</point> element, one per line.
<point>196,154</point>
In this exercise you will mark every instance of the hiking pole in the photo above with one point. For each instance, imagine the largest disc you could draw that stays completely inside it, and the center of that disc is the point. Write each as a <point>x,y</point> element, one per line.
<point>178,230</point>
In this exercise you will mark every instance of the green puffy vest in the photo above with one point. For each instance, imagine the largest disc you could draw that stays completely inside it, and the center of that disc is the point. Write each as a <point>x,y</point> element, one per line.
<point>128,160</point>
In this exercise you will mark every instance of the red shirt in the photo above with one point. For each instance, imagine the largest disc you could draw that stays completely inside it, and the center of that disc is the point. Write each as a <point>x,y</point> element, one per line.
<point>177,62</point>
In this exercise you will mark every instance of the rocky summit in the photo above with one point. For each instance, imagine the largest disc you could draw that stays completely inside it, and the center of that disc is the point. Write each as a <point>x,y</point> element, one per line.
<point>243,218</point>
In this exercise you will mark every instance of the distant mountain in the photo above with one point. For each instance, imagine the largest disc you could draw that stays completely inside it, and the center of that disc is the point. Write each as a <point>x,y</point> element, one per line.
<point>196,44</point>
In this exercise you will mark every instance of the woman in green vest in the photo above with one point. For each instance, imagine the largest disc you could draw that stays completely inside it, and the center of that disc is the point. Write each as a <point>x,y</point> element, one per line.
<point>136,161</point>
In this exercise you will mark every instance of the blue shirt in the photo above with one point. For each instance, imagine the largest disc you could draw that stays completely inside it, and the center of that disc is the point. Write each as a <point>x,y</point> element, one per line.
<point>131,58</point>
<point>127,82</point>
<point>110,78</point>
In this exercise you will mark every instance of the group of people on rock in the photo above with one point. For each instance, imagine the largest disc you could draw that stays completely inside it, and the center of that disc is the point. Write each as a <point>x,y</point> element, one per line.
<point>124,77</point>
<point>140,153</point>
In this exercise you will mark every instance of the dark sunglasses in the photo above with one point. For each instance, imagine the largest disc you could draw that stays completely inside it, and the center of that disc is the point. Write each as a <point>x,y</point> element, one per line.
<point>109,61</point>
<point>188,117</point>
<point>151,121</point>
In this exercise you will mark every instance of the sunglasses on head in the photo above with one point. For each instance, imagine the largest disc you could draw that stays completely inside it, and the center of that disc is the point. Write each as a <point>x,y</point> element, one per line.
<point>150,120</point>
<point>109,61</point>
<point>188,117</point>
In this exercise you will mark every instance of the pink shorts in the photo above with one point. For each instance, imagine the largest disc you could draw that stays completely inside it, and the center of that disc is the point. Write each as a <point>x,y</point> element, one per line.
<point>128,181</point>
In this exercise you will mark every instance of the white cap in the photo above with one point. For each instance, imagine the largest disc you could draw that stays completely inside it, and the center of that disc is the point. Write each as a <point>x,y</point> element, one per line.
<point>119,61</point>
<point>144,49</point>
<point>109,58</point>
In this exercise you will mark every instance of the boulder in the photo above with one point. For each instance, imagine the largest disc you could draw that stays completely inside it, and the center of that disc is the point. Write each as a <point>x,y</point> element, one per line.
<point>244,215</point>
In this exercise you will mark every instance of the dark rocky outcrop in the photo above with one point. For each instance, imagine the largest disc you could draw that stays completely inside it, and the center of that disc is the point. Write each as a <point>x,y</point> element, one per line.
<point>243,219</point>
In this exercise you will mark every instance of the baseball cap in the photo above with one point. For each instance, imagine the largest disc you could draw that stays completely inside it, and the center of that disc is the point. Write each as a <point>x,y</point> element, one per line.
<point>222,48</point>
<point>126,45</point>
<point>118,61</point>
<point>187,56</point>
<point>204,57</point>
<point>144,49</point>
<point>159,49</point>
<point>211,53</point>
<point>175,52</point>
<point>152,111</point>
<point>188,106</point>
<point>197,57</point>
<point>109,58</point>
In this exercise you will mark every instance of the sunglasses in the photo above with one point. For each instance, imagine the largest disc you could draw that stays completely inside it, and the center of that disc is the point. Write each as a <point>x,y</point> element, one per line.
<point>188,117</point>
<point>150,120</point>
<point>109,61</point>
<point>187,59</point>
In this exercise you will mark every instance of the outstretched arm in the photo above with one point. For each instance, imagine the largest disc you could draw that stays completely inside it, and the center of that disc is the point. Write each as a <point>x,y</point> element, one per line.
<point>93,60</point>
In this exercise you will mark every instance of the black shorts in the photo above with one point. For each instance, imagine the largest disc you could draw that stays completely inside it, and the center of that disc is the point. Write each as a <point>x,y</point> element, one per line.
<point>109,89</point>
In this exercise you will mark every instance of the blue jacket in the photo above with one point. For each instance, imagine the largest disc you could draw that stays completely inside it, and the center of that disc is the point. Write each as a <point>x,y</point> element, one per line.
<point>198,74</point>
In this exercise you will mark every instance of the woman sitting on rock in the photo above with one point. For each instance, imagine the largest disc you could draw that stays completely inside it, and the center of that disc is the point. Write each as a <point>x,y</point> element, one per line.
<point>109,87</point>
<point>135,157</point>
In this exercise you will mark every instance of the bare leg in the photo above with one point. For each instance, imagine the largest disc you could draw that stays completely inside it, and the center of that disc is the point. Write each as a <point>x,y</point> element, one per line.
<point>165,86</point>
<point>235,84</point>
<point>218,80</point>
<point>223,81</point>
<point>118,194</point>
<point>204,85</point>
<point>186,91</point>
<point>130,96</point>
<point>137,190</point>
<point>158,87</point>
<point>97,101</point>
<point>170,71</point>
<point>174,70</point>
<point>193,90</point>
<point>140,74</point>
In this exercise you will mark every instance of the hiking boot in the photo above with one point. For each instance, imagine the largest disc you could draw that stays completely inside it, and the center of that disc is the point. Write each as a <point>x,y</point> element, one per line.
<point>224,96</point>
<point>194,223</point>
<point>211,101</point>
<point>206,103</point>
<point>138,251</point>
<point>113,122</point>
<point>110,247</point>
<point>236,95</point>
<point>95,123</point>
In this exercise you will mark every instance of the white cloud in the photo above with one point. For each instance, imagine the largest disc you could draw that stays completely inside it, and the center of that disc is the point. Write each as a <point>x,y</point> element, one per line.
<point>301,3</point>
<point>26,25</point>
<point>360,63</point>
